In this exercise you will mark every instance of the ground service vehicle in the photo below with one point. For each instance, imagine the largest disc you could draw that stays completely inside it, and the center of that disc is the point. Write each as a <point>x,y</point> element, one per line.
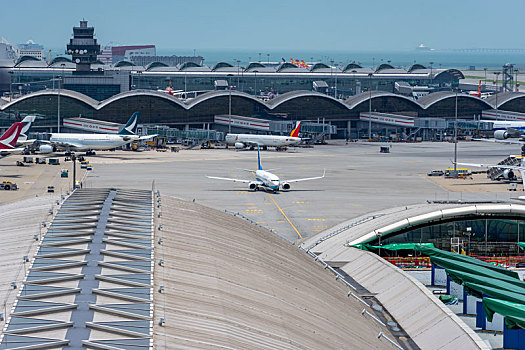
<point>54,161</point>
<point>8,186</point>
<point>436,173</point>
<point>457,172</point>
<point>64,173</point>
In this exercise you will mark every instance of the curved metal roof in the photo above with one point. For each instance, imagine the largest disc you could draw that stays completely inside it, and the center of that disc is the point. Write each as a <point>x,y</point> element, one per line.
<point>431,99</point>
<point>156,65</point>
<point>222,93</point>
<point>454,72</point>
<point>319,66</point>
<point>504,97</point>
<point>187,65</point>
<point>350,66</point>
<point>63,93</point>
<point>219,65</point>
<point>277,101</point>
<point>120,64</point>
<point>254,65</point>
<point>30,62</point>
<point>354,101</point>
<point>383,66</point>
<point>415,66</point>
<point>285,65</point>
<point>133,93</point>
<point>59,59</point>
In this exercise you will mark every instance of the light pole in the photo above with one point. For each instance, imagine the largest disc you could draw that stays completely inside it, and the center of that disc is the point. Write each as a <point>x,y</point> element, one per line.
<point>268,57</point>
<point>370,107</point>
<point>335,92</point>
<point>238,73</point>
<point>431,77</point>
<point>456,137</point>
<point>497,91</point>
<point>485,69</point>
<point>259,57</point>
<point>229,106</point>
<point>255,88</point>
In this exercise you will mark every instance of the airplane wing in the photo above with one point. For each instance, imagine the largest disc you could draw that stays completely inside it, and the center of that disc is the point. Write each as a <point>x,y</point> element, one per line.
<point>6,152</point>
<point>501,166</point>
<point>148,137</point>
<point>514,142</point>
<point>233,180</point>
<point>307,178</point>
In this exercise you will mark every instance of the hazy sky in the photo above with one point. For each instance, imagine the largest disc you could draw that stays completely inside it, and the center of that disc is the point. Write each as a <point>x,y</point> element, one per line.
<point>385,25</point>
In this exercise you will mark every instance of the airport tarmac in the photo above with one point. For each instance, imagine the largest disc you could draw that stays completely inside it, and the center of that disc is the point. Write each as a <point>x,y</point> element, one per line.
<point>358,180</point>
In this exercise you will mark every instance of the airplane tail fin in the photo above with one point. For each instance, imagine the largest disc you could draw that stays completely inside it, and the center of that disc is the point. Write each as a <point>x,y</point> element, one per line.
<point>9,138</point>
<point>28,122</point>
<point>131,126</point>
<point>259,166</point>
<point>295,132</point>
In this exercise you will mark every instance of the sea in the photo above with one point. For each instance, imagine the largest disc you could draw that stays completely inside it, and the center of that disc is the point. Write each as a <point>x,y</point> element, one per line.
<point>491,59</point>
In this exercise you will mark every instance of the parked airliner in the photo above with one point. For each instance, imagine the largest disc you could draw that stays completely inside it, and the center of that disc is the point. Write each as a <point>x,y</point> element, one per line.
<point>265,179</point>
<point>91,142</point>
<point>252,140</point>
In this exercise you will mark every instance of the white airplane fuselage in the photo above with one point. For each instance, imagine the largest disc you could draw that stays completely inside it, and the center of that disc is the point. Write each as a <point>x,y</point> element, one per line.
<point>83,142</point>
<point>261,140</point>
<point>268,179</point>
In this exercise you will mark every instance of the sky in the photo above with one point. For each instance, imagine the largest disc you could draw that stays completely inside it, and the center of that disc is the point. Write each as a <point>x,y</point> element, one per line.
<point>306,25</point>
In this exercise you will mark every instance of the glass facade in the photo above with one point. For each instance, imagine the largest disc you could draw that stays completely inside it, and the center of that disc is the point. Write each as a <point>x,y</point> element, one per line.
<point>476,236</point>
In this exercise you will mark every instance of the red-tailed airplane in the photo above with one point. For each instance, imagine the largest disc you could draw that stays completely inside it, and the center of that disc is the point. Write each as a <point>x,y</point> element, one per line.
<point>8,140</point>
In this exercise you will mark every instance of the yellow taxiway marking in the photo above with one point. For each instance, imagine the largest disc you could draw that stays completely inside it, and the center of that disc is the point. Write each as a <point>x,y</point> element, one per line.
<point>286,217</point>
<point>267,203</point>
<point>252,207</point>
<point>260,222</point>
<point>320,226</point>
<point>300,202</point>
<point>316,219</point>
<point>301,211</point>
<point>281,221</point>
<point>354,204</point>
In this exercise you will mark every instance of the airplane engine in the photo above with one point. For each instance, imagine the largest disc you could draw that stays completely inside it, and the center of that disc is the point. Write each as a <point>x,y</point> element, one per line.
<point>44,149</point>
<point>501,135</point>
<point>253,186</point>
<point>239,145</point>
<point>508,174</point>
<point>286,186</point>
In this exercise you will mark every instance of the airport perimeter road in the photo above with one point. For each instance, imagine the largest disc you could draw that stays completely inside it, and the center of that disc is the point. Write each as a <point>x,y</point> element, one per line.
<point>358,180</point>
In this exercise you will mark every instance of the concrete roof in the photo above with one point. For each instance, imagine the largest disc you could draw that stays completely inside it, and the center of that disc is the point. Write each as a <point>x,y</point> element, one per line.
<point>229,283</point>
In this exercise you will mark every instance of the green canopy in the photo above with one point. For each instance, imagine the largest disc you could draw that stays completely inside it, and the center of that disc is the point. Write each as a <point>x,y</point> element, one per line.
<point>521,245</point>
<point>393,246</point>
<point>461,276</point>
<point>478,289</point>
<point>474,269</point>
<point>362,246</point>
<point>434,252</point>
<point>514,313</point>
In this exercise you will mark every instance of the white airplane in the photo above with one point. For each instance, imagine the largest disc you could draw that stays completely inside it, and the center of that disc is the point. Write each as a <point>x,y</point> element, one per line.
<point>91,142</point>
<point>252,140</point>
<point>8,140</point>
<point>508,169</point>
<point>265,179</point>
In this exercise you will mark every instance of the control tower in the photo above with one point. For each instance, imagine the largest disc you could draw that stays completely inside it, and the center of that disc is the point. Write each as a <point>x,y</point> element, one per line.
<point>83,47</point>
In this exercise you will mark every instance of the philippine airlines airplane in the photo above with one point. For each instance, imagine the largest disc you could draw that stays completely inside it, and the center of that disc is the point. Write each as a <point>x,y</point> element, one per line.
<point>90,142</point>
<point>265,179</point>
<point>252,140</point>
<point>8,140</point>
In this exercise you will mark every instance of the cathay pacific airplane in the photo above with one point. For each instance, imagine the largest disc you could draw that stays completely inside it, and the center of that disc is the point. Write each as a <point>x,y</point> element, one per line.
<point>8,140</point>
<point>252,140</point>
<point>265,179</point>
<point>23,139</point>
<point>91,142</point>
